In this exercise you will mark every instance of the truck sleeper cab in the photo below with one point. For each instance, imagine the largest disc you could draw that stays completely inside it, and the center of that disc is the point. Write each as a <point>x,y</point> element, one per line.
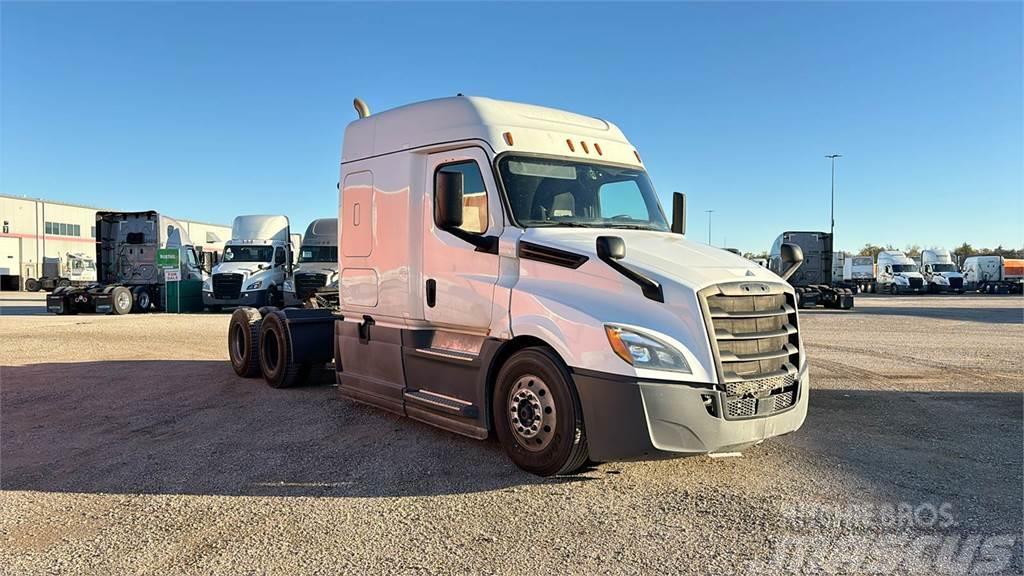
<point>508,269</point>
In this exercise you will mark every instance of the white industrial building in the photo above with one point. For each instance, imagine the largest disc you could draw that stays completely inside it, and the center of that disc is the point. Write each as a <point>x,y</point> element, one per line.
<point>35,231</point>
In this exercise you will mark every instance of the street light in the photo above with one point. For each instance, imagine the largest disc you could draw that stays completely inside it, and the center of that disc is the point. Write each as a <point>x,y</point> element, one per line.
<point>709,226</point>
<point>832,228</point>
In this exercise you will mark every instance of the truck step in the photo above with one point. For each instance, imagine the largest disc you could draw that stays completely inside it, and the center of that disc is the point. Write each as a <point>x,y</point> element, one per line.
<point>443,403</point>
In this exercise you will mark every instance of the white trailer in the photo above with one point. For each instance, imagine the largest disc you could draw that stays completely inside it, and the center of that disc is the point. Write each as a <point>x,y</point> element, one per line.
<point>859,273</point>
<point>508,269</point>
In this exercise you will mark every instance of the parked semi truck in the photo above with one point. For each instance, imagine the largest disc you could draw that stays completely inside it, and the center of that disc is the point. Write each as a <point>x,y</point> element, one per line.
<point>859,273</point>
<point>129,278</point>
<point>993,274</point>
<point>898,274</point>
<point>254,266</point>
<point>813,280</point>
<point>71,269</point>
<point>317,268</point>
<point>940,272</point>
<point>508,269</point>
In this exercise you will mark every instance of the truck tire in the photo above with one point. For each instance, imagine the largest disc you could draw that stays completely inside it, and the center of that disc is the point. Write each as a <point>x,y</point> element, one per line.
<point>243,341</point>
<point>122,300</point>
<point>141,299</point>
<point>276,354</point>
<point>537,414</point>
<point>32,285</point>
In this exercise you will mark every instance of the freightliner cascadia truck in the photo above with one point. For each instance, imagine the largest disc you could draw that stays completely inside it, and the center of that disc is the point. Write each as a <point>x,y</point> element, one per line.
<point>507,270</point>
<point>128,276</point>
<point>317,268</point>
<point>254,265</point>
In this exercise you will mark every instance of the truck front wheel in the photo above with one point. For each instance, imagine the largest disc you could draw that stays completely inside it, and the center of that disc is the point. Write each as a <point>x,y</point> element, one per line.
<point>122,300</point>
<point>243,342</point>
<point>537,414</point>
<point>279,370</point>
<point>142,299</point>
<point>32,285</point>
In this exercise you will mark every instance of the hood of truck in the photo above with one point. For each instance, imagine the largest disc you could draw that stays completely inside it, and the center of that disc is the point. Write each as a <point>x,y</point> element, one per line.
<point>244,268</point>
<point>662,254</point>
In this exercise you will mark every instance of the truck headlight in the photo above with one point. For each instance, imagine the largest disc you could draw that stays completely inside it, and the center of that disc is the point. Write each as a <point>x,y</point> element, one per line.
<point>255,285</point>
<point>289,286</point>
<point>208,285</point>
<point>643,351</point>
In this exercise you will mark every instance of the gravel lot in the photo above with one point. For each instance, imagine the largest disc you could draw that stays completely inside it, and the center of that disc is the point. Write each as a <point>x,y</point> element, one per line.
<point>130,447</point>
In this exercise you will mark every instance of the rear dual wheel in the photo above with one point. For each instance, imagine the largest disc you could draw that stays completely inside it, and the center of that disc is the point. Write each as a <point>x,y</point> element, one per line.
<point>243,342</point>
<point>275,353</point>
<point>537,414</point>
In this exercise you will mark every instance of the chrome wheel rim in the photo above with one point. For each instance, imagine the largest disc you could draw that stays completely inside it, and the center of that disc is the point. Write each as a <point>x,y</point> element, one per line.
<point>124,300</point>
<point>532,414</point>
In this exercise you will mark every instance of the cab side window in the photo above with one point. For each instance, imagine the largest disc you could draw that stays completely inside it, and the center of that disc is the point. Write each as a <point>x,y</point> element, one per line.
<point>279,256</point>
<point>474,195</point>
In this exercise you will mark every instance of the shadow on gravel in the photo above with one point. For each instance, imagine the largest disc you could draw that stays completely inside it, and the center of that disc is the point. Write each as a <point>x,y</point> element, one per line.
<point>985,315</point>
<point>194,427</point>
<point>966,449</point>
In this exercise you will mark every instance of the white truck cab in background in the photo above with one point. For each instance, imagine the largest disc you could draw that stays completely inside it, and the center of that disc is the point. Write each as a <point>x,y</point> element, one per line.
<point>940,272</point>
<point>897,273</point>
<point>859,273</point>
<point>317,266</point>
<point>254,265</point>
<point>507,268</point>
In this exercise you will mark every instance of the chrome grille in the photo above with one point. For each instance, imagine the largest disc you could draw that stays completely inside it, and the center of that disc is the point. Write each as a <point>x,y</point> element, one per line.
<point>755,340</point>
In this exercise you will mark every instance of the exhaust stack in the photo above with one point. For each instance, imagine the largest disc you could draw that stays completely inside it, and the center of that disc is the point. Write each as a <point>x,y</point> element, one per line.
<point>361,108</point>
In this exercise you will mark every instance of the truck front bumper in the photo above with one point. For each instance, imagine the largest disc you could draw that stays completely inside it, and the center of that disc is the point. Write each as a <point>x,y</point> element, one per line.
<point>254,298</point>
<point>630,419</point>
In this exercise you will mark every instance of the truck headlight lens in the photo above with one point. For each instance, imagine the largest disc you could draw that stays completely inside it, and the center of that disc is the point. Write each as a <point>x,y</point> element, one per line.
<point>207,285</point>
<point>255,285</point>
<point>289,286</point>
<point>643,351</point>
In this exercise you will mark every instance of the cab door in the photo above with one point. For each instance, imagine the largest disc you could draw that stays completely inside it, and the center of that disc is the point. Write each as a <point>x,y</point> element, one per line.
<point>460,267</point>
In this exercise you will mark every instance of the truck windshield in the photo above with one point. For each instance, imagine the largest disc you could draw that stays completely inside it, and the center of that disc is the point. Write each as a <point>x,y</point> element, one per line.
<point>943,267</point>
<point>904,268</point>
<point>545,192</point>
<point>318,254</point>
<point>248,253</point>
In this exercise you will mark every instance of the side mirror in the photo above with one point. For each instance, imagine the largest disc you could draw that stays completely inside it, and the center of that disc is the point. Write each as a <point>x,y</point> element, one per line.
<point>678,213</point>
<point>792,257</point>
<point>611,247</point>
<point>448,188</point>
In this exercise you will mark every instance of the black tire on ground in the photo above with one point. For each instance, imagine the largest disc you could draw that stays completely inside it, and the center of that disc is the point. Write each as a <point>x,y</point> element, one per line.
<point>141,299</point>
<point>32,285</point>
<point>276,354</point>
<point>122,300</point>
<point>892,289</point>
<point>537,414</point>
<point>243,342</point>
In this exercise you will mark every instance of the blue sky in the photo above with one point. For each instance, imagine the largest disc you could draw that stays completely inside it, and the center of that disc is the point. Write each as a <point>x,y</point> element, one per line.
<point>206,111</point>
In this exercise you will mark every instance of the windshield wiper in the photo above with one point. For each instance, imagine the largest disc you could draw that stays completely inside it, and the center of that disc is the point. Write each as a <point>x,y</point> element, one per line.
<point>630,226</point>
<point>566,224</point>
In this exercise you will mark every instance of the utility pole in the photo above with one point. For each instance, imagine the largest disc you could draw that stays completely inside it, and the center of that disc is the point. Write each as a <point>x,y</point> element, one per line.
<point>709,227</point>
<point>832,228</point>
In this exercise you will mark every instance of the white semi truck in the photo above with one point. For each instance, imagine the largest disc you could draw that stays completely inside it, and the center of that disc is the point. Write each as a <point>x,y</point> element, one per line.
<point>71,269</point>
<point>993,274</point>
<point>898,274</point>
<point>254,266</point>
<point>940,272</point>
<point>317,268</point>
<point>507,269</point>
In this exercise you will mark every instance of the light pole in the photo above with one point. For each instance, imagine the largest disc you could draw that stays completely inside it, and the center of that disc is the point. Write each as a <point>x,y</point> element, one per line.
<point>832,227</point>
<point>709,226</point>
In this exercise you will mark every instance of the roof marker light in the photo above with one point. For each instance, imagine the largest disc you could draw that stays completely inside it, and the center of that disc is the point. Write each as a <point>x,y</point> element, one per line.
<point>571,147</point>
<point>598,148</point>
<point>585,148</point>
<point>508,138</point>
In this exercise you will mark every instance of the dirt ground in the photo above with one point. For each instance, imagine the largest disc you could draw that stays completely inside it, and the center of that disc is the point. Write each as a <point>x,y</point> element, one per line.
<point>128,446</point>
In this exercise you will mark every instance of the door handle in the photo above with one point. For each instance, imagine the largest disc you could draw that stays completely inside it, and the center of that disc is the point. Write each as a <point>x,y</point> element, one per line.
<point>431,292</point>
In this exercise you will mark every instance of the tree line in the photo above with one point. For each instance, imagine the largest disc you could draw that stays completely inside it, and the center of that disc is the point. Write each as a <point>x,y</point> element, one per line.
<point>963,251</point>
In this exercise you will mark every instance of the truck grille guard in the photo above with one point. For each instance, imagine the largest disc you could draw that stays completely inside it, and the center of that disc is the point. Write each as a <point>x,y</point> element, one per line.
<point>755,340</point>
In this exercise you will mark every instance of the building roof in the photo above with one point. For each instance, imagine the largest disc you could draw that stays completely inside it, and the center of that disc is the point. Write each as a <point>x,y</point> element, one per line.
<point>98,209</point>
